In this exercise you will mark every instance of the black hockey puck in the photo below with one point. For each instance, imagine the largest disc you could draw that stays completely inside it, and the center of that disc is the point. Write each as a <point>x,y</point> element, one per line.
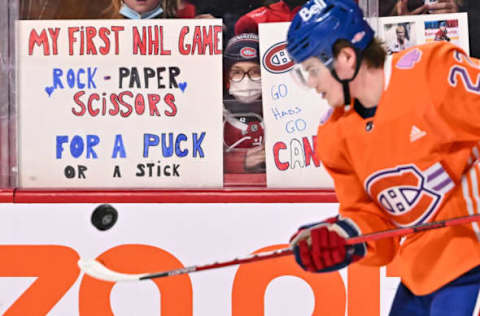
<point>104,217</point>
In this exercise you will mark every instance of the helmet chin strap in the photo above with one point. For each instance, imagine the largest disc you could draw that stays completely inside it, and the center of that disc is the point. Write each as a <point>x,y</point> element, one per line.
<point>345,82</point>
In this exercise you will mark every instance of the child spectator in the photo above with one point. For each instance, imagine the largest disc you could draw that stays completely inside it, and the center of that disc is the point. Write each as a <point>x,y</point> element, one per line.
<point>244,150</point>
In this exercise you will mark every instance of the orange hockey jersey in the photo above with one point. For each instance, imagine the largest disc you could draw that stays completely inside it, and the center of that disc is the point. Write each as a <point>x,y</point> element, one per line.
<point>413,161</point>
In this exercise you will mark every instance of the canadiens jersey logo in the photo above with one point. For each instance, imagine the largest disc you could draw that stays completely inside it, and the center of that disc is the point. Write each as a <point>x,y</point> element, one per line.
<point>409,195</point>
<point>276,59</point>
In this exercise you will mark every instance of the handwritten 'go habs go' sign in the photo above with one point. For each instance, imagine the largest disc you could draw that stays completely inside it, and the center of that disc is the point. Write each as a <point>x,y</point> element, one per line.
<point>276,59</point>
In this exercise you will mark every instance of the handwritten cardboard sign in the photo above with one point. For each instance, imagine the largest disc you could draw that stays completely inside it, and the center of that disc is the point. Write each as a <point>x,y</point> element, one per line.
<point>120,103</point>
<point>291,116</point>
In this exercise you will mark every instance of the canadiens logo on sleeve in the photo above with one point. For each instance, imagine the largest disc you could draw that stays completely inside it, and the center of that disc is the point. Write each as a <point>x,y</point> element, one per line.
<point>410,196</point>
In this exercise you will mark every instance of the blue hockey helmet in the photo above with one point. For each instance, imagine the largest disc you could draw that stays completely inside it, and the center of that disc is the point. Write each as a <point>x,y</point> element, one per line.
<point>320,24</point>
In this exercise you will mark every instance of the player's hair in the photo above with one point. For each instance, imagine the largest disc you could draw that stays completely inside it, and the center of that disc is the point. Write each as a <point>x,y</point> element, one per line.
<point>373,55</point>
<point>169,9</point>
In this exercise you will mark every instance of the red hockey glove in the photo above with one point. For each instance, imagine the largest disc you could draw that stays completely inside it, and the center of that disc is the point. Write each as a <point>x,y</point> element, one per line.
<point>321,247</point>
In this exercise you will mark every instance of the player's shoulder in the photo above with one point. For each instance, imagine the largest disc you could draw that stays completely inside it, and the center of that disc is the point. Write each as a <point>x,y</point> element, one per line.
<point>425,54</point>
<point>435,47</point>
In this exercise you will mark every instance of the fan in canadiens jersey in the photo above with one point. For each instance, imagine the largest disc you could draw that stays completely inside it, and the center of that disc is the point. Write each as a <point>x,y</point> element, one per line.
<point>244,150</point>
<point>402,148</point>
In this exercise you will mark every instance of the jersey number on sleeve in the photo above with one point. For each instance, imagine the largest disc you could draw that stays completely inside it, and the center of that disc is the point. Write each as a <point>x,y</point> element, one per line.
<point>462,72</point>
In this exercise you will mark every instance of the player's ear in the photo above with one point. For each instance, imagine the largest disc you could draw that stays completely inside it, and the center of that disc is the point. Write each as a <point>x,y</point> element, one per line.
<point>346,62</point>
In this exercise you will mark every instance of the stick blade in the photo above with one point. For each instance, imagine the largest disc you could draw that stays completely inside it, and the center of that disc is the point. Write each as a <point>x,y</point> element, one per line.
<point>98,271</point>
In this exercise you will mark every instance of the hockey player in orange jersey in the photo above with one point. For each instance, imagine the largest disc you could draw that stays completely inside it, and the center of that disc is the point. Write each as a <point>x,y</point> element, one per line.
<point>401,144</point>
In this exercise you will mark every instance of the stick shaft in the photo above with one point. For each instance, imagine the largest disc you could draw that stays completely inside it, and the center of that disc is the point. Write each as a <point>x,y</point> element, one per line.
<point>97,270</point>
<point>252,258</point>
<point>397,232</point>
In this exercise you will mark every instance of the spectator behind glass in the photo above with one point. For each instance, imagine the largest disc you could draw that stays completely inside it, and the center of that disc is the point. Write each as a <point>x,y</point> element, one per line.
<point>149,9</point>
<point>282,11</point>
<point>99,9</point>
<point>61,9</point>
<point>244,150</point>
<point>229,10</point>
<point>186,10</point>
<point>413,7</point>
